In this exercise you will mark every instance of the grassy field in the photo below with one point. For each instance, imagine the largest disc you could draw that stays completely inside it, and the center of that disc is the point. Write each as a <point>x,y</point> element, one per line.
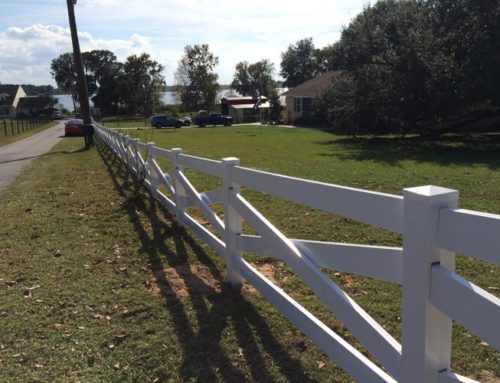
<point>18,136</point>
<point>116,122</point>
<point>99,284</point>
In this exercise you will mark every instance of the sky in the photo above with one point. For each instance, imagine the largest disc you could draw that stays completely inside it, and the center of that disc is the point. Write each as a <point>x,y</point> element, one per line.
<point>33,32</point>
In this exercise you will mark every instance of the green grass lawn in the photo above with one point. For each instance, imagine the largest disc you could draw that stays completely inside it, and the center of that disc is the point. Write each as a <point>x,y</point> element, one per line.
<point>9,138</point>
<point>100,284</point>
<point>116,122</point>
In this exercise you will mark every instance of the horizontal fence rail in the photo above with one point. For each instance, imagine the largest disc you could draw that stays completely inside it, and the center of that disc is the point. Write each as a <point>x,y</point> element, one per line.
<point>427,217</point>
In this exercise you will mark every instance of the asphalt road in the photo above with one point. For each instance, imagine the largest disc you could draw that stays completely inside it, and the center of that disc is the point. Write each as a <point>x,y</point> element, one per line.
<point>15,156</point>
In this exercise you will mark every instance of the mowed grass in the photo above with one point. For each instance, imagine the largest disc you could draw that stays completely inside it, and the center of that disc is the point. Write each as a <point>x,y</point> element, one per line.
<point>100,284</point>
<point>22,134</point>
<point>114,122</point>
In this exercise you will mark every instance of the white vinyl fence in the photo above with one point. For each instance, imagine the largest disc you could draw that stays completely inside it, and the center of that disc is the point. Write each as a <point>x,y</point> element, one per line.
<point>433,230</point>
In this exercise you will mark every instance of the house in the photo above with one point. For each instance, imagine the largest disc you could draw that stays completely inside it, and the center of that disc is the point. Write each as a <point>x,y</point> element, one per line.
<point>299,101</point>
<point>32,106</point>
<point>9,100</point>
<point>245,109</point>
<point>14,102</point>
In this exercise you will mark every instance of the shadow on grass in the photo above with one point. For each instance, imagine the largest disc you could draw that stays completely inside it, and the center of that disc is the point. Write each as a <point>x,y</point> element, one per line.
<point>205,359</point>
<point>446,150</point>
<point>83,149</point>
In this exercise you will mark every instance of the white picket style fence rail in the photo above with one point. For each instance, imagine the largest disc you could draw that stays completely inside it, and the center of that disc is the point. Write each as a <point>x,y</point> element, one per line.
<point>433,230</point>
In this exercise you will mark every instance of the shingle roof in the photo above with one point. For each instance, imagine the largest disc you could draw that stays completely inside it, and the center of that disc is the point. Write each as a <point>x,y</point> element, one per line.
<point>33,102</point>
<point>11,90</point>
<point>313,87</point>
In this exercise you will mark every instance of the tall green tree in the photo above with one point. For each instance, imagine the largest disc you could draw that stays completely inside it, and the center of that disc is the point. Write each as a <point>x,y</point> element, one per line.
<point>63,71</point>
<point>142,84</point>
<point>196,79</point>
<point>299,62</point>
<point>250,79</point>
<point>418,65</point>
<point>103,74</point>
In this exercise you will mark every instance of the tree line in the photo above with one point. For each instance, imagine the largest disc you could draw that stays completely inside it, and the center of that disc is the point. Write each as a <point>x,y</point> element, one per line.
<point>415,66</point>
<point>405,66</point>
<point>133,86</point>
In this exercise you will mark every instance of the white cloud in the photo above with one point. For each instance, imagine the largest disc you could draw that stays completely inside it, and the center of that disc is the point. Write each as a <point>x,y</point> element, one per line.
<point>235,30</point>
<point>28,52</point>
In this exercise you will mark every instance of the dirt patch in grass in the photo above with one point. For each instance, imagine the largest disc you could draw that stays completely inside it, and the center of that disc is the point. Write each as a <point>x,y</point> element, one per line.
<point>266,269</point>
<point>184,281</point>
<point>489,377</point>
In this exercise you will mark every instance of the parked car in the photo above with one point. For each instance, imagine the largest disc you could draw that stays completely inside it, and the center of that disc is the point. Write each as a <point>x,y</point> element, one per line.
<point>213,119</point>
<point>74,128</point>
<point>187,120</point>
<point>56,116</point>
<point>166,121</point>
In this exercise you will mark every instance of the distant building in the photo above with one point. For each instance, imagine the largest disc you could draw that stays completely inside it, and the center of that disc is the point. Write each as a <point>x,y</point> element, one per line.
<point>9,100</point>
<point>299,101</point>
<point>15,103</point>
<point>245,109</point>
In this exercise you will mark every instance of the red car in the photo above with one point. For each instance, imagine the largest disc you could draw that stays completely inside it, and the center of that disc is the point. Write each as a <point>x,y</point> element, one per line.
<point>74,128</point>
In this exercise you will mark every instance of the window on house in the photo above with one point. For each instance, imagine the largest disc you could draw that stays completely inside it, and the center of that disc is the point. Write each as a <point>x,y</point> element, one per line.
<point>297,104</point>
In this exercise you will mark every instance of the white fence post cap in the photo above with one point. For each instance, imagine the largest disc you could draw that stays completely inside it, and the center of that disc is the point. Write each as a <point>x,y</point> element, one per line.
<point>231,161</point>
<point>432,194</point>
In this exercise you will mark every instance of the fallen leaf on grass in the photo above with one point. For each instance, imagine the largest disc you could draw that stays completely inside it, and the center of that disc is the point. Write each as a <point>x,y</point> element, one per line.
<point>321,365</point>
<point>120,337</point>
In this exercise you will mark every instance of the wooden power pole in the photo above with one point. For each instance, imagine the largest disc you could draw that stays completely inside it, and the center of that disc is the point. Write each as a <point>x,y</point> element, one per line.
<point>83,93</point>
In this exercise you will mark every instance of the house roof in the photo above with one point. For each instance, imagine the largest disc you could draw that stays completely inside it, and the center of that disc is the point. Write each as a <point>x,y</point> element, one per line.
<point>241,100</point>
<point>251,106</point>
<point>312,87</point>
<point>9,90</point>
<point>33,102</point>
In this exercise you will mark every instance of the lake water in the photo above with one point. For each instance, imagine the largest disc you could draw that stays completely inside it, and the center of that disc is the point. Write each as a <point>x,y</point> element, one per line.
<point>168,98</point>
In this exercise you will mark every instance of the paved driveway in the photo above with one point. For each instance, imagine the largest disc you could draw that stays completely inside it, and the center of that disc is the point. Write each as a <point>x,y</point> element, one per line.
<point>15,156</point>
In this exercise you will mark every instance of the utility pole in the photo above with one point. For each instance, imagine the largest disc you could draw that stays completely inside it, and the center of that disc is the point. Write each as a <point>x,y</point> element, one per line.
<point>83,93</point>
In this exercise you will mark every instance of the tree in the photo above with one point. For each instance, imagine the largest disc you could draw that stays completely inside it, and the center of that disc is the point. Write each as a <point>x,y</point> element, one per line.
<point>299,63</point>
<point>196,79</point>
<point>253,79</point>
<point>142,83</point>
<point>63,71</point>
<point>275,107</point>
<point>329,57</point>
<point>103,73</point>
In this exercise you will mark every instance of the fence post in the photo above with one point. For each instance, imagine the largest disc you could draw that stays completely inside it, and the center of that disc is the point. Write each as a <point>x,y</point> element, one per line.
<point>153,177</point>
<point>135,145</point>
<point>180,191</point>
<point>5,127</point>
<point>126,142</point>
<point>232,223</point>
<point>12,127</point>
<point>426,331</point>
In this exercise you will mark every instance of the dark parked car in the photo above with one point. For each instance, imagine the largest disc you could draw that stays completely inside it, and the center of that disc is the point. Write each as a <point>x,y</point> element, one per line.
<point>214,119</point>
<point>165,121</point>
<point>187,120</point>
<point>56,116</point>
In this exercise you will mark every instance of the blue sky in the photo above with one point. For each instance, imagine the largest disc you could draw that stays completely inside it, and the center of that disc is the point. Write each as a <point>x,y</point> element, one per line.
<point>33,32</point>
